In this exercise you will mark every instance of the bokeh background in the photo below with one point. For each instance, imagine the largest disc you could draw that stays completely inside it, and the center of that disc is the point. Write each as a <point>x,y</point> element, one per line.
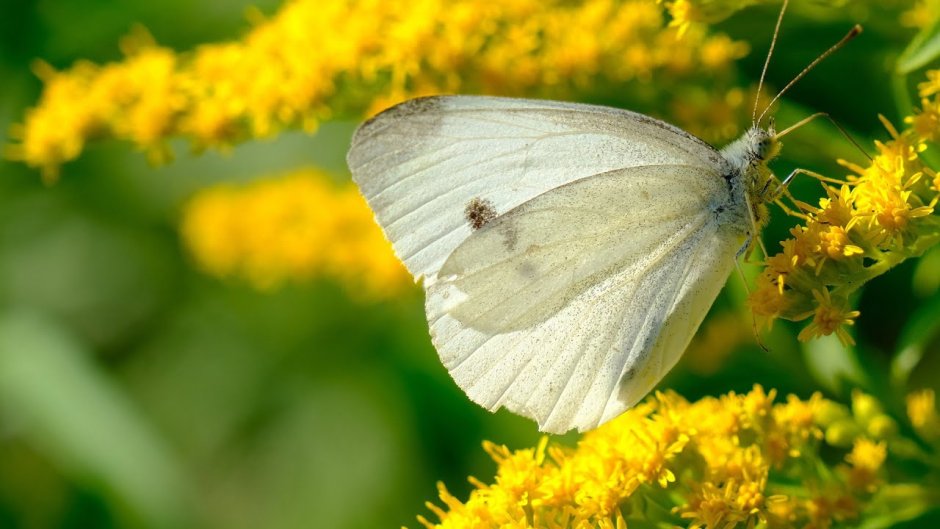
<point>140,389</point>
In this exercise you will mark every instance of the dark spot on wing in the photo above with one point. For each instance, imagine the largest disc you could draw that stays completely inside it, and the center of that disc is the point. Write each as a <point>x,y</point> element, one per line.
<point>479,212</point>
<point>510,236</point>
<point>527,270</point>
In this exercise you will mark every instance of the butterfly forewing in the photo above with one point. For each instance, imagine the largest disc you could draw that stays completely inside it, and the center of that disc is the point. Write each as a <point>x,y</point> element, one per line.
<point>421,163</point>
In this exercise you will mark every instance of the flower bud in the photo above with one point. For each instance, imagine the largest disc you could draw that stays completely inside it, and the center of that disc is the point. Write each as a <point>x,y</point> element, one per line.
<point>865,407</point>
<point>842,433</point>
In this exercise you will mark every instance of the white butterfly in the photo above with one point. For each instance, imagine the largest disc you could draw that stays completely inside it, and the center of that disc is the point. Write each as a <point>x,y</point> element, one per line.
<point>569,252</point>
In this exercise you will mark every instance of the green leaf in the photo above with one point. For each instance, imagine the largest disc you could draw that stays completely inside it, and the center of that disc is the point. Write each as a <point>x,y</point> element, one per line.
<point>834,366</point>
<point>926,280</point>
<point>898,503</point>
<point>68,409</point>
<point>919,332</point>
<point>923,48</point>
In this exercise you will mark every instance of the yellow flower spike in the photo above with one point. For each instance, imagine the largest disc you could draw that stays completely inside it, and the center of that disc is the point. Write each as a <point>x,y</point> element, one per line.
<point>595,483</point>
<point>883,214</point>
<point>291,228</point>
<point>370,54</point>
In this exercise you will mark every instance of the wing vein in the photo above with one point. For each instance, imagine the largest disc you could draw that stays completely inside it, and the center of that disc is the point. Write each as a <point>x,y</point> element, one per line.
<point>687,232</point>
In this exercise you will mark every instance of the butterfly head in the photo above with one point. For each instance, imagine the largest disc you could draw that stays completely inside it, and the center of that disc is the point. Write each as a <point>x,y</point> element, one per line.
<point>752,151</point>
<point>761,145</point>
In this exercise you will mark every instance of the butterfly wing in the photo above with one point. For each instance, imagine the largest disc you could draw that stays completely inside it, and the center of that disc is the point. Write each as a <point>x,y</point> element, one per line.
<point>596,256</point>
<point>569,308</point>
<point>421,163</point>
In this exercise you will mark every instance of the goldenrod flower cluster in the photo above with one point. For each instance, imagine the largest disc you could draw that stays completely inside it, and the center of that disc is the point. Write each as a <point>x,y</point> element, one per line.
<point>882,214</point>
<point>315,60</point>
<point>733,461</point>
<point>293,227</point>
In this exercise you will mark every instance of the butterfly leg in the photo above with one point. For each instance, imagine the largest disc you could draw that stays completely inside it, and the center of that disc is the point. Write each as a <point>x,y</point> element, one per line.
<point>786,181</point>
<point>755,228</point>
<point>737,264</point>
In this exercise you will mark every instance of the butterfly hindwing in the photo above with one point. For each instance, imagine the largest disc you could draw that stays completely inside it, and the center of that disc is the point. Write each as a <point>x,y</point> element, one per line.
<point>599,295</point>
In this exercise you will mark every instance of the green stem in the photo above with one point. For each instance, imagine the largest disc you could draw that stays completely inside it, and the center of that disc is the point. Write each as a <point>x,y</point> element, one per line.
<point>902,95</point>
<point>887,261</point>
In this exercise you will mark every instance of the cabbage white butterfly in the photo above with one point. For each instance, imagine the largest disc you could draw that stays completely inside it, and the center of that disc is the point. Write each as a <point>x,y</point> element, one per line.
<point>568,251</point>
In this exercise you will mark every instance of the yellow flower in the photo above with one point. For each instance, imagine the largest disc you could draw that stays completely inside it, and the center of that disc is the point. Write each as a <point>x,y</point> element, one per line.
<point>881,215</point>
<point>838,208</point>
<point>922,411</point>
<point>834,244</point>
<point>866,459</point>
<point>717,506</point>
<point>926,121</point>
<point>685,13</point>
<point>867,454</point>
<point>718,450</point>
<point>829,317</point>
<point>291,228</point>
<point>931,86</point>
<point>921,14</point>
<point>767,301</point>
<point>794,428</point>
<point>369,54</point>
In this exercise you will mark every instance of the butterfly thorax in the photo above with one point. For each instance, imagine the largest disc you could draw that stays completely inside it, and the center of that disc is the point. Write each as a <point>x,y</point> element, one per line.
<point>747,159</point>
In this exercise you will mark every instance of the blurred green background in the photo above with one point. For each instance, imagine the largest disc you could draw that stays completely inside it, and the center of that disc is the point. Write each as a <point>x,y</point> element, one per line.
<point>137,392</point>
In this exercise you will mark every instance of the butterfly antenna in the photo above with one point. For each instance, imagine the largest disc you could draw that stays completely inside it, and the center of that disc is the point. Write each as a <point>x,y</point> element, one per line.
<point>854,32</point>
<point>763,73</point>
<point>842,130</point>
